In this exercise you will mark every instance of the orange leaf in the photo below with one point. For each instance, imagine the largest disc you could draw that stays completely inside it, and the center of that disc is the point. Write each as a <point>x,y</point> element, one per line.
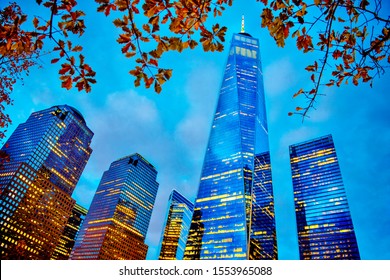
<point>153,62</point>
<point>336,54</point>
<point>146,27</point>
<point>65,68</point>
<point>168,74</point>
<point>77,49</point>
<point>298,93</point>
<point>67,83</point>
<point>35,22</point>
<point>149,82</point>
<point>310,68</point>
<point>157,87</point>
<point>304,42</point>
<point>286,31</point>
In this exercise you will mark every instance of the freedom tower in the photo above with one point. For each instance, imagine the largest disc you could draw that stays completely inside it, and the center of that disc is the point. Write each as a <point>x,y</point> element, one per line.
<point>234,210</point>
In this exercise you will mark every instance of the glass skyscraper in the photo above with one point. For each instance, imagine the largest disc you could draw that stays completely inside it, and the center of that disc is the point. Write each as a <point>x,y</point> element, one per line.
<point>118,218</point>
<point>177,225</point>
<point>222,226</point>
<point>263,243</point>
<point>325,229</point>
<point>68,238</point>
<point>47,153</point>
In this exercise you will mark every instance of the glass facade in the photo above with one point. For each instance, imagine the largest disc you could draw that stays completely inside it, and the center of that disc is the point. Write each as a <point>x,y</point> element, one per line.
<point>325,229</point>
<point>177,225</point>
<point>68,237</point>
<point>221,223</point>
<point>263,243</point>
<point>56,140</point>
<point>118,218</point>
<point>47,153</point>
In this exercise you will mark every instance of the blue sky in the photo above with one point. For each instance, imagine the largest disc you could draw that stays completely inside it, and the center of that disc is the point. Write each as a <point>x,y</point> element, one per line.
<point>171,129</point>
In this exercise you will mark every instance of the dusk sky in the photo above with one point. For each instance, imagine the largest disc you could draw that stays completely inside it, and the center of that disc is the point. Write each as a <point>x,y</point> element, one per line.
<point>171,129</point>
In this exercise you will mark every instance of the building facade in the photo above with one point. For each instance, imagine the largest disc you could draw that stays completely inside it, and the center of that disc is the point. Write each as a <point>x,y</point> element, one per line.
<point>176,228</point>
<point>68,237</point>
<point>222,224</point>
<point>47,154</point>
<point>263,244</point>
<point>324,224</point>
<point>118,218</point>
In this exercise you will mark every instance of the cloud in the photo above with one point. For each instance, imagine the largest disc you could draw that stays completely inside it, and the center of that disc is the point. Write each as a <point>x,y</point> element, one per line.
<point>44,96</point>
<point>279,76</point>
<point>124,123</point>
<point>201,91</point>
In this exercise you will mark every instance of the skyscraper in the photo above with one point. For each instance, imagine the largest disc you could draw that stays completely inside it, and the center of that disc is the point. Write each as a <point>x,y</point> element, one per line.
<point>118,218</point>
<point>221,226</point>
<point>68,237</point>
<point>263,243</point>
<point>325,229</point>
<point>47,153</point>
<point>177,225</point>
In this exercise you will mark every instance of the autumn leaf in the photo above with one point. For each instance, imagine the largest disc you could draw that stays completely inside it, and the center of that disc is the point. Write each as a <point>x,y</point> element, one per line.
<point>157,87</point>
<point>77,49</point>
<point>299,92</point>
<point>304,42</point>
<point>35,22</point>
<point>153,62</point>
<point>67,82</point>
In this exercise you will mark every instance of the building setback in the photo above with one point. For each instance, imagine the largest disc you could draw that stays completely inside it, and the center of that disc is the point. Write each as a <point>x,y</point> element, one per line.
<point>222,226</point>
<point>47,153</point>
<point>324,224</point>
<point>177,225</point>
<point>118,218</point>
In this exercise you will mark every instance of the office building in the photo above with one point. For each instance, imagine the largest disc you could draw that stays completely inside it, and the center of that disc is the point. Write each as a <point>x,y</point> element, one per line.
<point>324,224</point>
<point>222,225</point>
<point>176,228</point>
<point>118,218</point>
<point>68,237</point>
<point>263,243</point>
<point>47,154</point>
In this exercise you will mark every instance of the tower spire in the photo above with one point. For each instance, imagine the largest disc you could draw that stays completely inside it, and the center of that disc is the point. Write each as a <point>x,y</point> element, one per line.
<point>243,24</point>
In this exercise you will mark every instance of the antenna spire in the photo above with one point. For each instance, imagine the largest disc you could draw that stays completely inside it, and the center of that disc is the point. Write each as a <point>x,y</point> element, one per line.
<point>243,24</point>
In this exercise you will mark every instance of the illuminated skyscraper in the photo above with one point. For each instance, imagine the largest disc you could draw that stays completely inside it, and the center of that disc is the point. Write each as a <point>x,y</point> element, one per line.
<point>325,229</point>
<point>263,243</point>
<point>177,225</point>
<point>48,153</point>
<point>222,224</point>
<point>118,219</point>
<point>68,238</point>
